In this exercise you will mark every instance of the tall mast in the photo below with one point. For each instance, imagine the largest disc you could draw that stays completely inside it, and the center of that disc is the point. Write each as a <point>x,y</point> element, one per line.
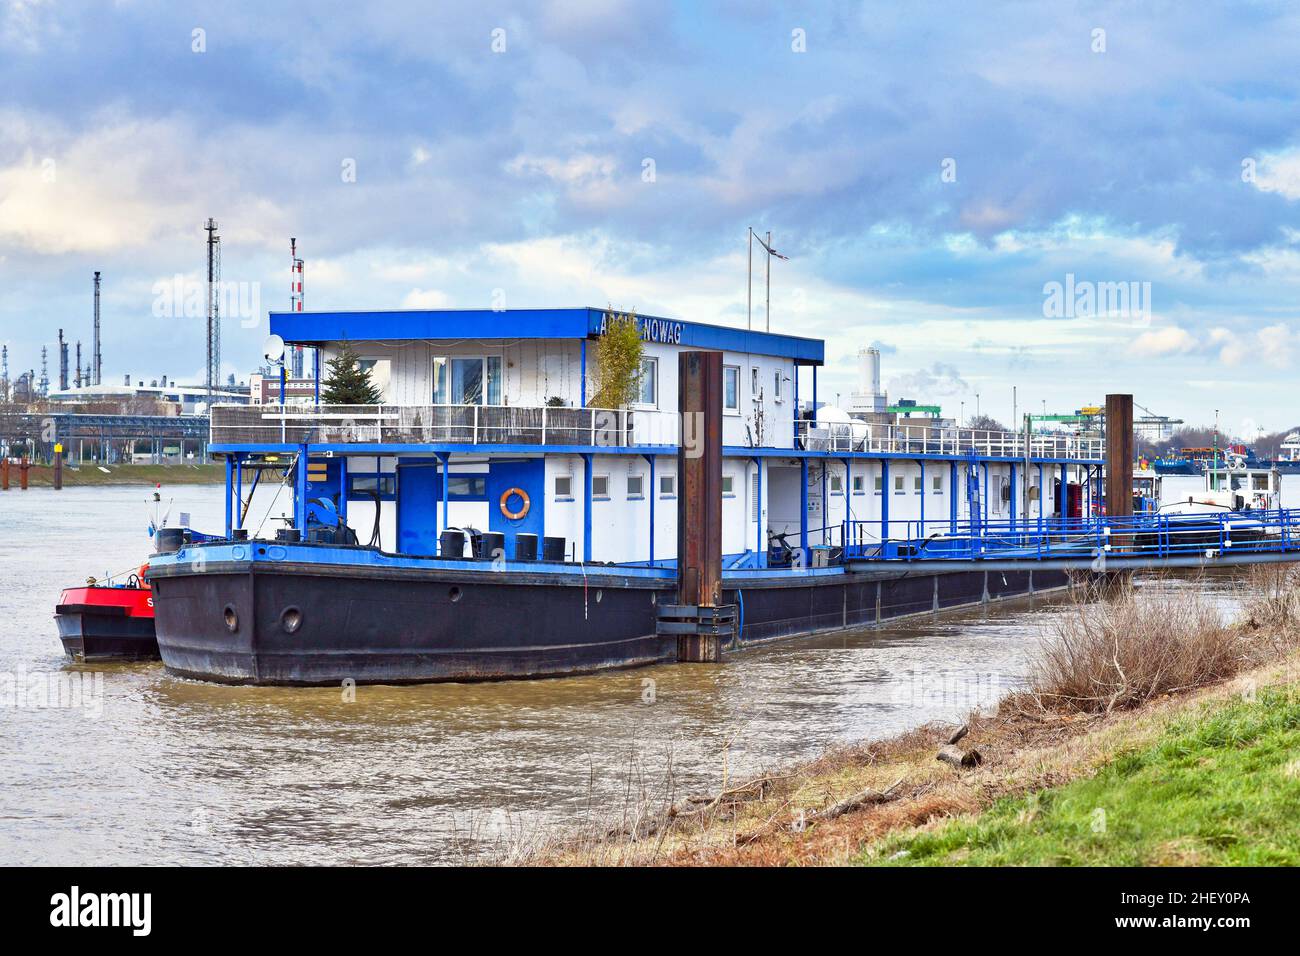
<point>214,309</point>
<point>97,357</point>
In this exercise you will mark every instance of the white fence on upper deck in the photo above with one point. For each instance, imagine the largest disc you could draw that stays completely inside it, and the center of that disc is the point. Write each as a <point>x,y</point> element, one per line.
<point>441,424</point>
<point>859,436</point>
<point>596,427</point>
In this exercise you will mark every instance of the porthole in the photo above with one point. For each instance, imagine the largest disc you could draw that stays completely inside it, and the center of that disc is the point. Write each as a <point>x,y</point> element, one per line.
<point>453,594</point>
<point>290,620</point>
<point>231,619</point>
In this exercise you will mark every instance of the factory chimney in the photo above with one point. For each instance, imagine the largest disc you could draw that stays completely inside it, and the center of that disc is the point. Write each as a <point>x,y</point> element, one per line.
<point>79,364</point>
<point>99,367</point>
<point>63,363</point>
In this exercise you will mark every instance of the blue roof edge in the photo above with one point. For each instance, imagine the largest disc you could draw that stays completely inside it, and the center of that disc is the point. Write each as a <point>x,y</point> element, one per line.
<point>307,328</point>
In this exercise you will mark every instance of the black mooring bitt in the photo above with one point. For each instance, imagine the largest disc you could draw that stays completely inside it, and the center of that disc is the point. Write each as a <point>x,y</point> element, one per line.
<point>673,620</point>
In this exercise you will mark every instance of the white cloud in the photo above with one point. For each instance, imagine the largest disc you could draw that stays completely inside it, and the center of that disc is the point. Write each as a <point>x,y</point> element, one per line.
<point>1170,340</point>
<point>426,299</point>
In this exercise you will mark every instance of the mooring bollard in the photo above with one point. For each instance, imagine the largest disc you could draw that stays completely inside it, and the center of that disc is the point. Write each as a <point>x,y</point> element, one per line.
<point>22,474</point>
<point>58,467</point>
<point>4,473</point>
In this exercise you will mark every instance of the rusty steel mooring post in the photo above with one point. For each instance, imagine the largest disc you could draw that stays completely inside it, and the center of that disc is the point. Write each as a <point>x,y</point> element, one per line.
<point>58,467</point>
<point>699,499</point>
<point>1119,464</point>
<point>22,474</point>
<point>4,473</point>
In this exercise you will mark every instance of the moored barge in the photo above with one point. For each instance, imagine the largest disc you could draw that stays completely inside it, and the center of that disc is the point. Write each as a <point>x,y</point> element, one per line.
<point>483,522</point>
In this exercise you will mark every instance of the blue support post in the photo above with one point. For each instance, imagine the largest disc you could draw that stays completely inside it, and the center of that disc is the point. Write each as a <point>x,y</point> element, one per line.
<point>583,373</point>
<point>921,462</point>
<point>803,508</point>
<point>230,471</point>
<point>343,488</point>
<point>885,493</point>
<point>814,398</point>
<point>952,497</point>
<point>239,492</point>
<point>848,502</point>
<point>760,546</point>
<point>315,362</point>
<point>586,500</point>
<point>445,460</point>
<point>300,491</point>
<point>653,493</point>
<point>282,374</point>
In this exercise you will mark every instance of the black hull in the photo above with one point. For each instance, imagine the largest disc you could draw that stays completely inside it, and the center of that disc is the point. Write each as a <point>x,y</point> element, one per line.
<point>415,626</point>
<point>92,633</point>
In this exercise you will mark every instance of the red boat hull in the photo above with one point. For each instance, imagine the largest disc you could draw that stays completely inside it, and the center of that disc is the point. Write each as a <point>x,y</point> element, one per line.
<point>107,623</point>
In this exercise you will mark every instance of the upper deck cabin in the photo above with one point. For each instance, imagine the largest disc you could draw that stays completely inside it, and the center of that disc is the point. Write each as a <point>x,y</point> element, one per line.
<point>525,376</point>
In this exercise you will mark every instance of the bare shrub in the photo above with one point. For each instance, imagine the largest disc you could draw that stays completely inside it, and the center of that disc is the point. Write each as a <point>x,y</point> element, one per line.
<point>1272,600</point>
<point>1133,645</point>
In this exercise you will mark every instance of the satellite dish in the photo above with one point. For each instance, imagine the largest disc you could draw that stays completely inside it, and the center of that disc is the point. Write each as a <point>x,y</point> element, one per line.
<point>273,349</point>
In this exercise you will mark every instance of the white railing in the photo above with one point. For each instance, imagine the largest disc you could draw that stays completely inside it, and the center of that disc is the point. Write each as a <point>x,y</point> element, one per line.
<point>440,424</point>
<point>859,436</point>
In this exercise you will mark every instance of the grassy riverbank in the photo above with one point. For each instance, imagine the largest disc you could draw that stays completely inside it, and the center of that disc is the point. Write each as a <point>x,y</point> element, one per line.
<point>1152,733</point>
<point>89,474</point>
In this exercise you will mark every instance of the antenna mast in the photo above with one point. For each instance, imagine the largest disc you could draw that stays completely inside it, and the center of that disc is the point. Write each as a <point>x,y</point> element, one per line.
<point>97,359</point>
<point>214,309</point>
<point>295,300</point>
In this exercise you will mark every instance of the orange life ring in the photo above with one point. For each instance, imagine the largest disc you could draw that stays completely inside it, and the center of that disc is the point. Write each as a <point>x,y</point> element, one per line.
<point>515,515</point>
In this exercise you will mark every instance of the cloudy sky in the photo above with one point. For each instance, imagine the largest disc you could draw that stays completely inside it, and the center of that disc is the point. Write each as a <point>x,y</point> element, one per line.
<point>964,185</point>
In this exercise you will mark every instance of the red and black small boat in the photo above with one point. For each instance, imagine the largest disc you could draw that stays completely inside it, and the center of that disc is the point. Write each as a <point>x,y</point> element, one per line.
<point>102,622</point>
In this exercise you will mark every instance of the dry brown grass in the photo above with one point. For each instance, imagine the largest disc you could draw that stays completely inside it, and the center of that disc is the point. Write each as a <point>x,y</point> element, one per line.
<point>1134,644</point>
<point>1107,677</point>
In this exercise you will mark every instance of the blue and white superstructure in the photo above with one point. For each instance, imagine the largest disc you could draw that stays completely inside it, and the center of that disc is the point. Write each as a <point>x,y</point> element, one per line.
<point>563,517</point>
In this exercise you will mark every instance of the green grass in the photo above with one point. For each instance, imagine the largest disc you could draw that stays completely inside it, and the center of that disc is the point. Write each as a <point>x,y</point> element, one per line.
<point>89,474</point>
<point>1221,787</point>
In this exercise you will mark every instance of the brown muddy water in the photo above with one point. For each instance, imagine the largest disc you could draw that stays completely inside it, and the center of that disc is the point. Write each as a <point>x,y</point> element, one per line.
<point>151,769</point>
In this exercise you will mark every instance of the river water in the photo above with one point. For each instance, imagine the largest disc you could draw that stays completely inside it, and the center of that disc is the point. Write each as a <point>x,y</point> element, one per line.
<point>150,769</point>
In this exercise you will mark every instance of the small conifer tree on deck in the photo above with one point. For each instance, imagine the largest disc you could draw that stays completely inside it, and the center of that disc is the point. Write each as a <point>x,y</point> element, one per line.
<point>347,382</point>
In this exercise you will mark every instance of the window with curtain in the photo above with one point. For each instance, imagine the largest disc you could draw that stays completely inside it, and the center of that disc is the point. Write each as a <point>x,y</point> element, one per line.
<point>467,380</point>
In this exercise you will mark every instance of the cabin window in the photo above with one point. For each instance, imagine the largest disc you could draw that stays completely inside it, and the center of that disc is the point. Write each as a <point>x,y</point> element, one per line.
<point>879,484</point>
<point>364,486</point>
<point>859,484</point>
<point>755,498</point>
<point>728,485</point>
<point>467,380</point>
<point>731,388</point>
<point>667,485</point>
<point>564,486</point>
<point>754,387</point>
<point>916,484</point>
<point>837,484</point>
<point>1260,482</point>
<point>467,486</point>
<point>899,486</point>
<point>649,385</point>
<point>937,484</point>
<point>600,486</point>
<point>776,385</point>
<point>1033,492</point>
<point>635,486</point>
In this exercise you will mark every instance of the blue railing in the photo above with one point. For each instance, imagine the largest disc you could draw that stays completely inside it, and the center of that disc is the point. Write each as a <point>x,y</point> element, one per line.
<point>1150,535</point>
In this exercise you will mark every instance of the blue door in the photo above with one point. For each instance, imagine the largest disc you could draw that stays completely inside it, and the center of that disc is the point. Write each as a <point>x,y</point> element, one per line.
<point>419,493</point>
<point>529,476</point>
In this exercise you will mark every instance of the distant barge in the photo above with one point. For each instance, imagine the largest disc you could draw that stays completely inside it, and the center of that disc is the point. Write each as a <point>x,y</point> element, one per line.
<point>485,523</point>
<point>102,622</point>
